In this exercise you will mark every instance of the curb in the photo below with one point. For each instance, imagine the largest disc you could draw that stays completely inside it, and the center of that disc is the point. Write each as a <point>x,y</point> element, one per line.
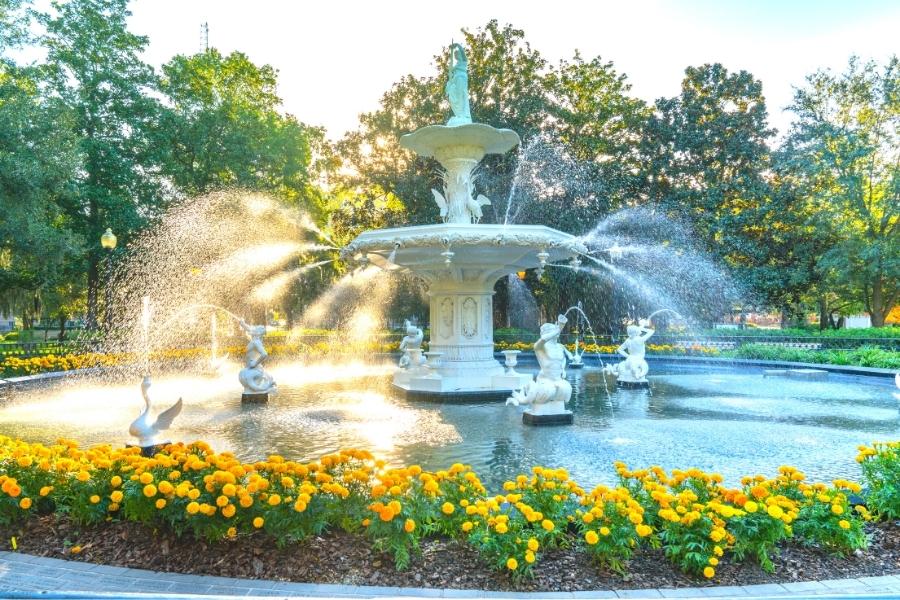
<point>29,576</point>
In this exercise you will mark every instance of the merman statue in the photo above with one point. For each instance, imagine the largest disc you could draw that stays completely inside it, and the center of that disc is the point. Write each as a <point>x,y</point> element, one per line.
<point>257,383</point>
<point>547,395</point>
<point>632,372</point>
<point>457,87</point>
<point>411,341</point>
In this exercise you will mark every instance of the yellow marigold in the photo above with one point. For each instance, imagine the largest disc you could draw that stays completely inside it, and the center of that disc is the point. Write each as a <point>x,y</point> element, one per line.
<point>713,561</point>
<point>229,490</point>
<point>116,496</point>
<point>231,533</point>
<point>146,477</point>
<point>709,572</point>
<point>529,556</point>
<point>95,499</point>
<point>591,537</point>
<point>228,511</point>
<point>193,508</point>
<point>751,506</point>
<point>643,530</point>
<point>844,524</point>
<point>547,524</point>
<point>258,522</point>
<point>409,526</point>
<point>83,476</point>
<point>25,503</point>
<point>160,503</point>
<point>512,564</point>
<point>837,509</point>
<point>299,505</point>
<point>604,531</point>
<point>246,501</point>
<point>447,508</point>
<point>45,490</point>
<point>775,511</point>
<point>222,501</point>
<point>467,526</point>
<point>501,528</point>
<point>24,461</point>
<point>193,494</point>
<point>533,544</point>
<point>166,488</point>
<point>149,490</point>
<point>75,549</point>
<point>274,500</point>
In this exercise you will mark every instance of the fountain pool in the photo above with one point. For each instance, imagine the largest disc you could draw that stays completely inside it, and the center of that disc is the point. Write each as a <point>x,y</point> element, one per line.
<point>731,421</point>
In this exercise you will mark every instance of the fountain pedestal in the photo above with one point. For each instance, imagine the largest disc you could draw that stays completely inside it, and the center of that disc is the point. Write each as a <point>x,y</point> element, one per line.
<point>556,414</point>
<point>261,398</point>
<point>460,292</point>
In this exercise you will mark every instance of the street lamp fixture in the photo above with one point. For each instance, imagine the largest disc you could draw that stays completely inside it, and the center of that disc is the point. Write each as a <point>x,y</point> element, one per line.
<point>108,240</point>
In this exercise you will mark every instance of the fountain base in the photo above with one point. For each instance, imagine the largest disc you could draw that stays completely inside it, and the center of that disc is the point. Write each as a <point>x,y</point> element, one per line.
<point>633,385</point>
<point>482,383</point>
<point>559,418</point>
<point>254,398</point>
<point>149,451</point>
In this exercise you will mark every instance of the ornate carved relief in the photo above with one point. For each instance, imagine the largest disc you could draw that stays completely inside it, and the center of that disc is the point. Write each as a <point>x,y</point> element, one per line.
<point>446,317</point>
<point>469,317</point>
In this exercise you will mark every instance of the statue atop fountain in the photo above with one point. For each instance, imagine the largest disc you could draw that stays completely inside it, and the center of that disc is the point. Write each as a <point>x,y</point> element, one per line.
<point>457,87</point>
<point>257,383</point>
<point>411,341</point>
<point>632,372</point>
<point>547,395</point>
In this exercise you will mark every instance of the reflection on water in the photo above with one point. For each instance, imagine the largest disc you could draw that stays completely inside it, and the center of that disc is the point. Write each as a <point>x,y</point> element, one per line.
<point>735,422</point>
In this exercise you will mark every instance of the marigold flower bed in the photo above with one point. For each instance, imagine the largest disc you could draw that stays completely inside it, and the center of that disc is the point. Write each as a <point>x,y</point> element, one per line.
<point>190,492</point>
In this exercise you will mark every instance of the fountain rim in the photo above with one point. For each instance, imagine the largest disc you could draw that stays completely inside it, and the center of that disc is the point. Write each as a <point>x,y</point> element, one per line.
<point>440,235</point>
<point>427,140</point>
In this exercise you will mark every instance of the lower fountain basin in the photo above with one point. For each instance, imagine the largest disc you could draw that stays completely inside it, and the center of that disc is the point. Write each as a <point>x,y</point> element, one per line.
<point>729,420</point>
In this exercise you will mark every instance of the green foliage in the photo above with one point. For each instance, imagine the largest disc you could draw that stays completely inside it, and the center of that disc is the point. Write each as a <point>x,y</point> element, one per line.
<point>864,356</point>
<point>880,465</point>
<point>844,152</point>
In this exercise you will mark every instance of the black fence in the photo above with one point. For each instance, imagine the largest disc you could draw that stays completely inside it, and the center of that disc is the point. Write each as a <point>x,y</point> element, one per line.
<point>720,342</point>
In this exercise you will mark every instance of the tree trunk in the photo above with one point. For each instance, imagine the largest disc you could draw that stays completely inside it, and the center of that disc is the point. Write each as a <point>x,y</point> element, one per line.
<point>92,289</point>
<point>62,328</point>
<point>824,313</point>
<point>878,313</point>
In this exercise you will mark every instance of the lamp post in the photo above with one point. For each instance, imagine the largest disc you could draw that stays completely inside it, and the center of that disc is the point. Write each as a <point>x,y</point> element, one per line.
<point>108,242</point>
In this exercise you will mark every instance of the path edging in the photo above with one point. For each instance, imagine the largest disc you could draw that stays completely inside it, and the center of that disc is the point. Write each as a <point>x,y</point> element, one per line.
<point>56,577</point>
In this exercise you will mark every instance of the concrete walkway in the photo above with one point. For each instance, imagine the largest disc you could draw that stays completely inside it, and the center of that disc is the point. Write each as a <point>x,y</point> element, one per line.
<point>26,576</point>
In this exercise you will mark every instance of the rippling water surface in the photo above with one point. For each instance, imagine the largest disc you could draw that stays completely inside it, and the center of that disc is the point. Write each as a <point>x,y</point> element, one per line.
<point>735,422</point>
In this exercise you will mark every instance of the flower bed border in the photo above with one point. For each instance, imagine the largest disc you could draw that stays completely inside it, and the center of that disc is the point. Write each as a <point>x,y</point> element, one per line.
<point>73,575</point>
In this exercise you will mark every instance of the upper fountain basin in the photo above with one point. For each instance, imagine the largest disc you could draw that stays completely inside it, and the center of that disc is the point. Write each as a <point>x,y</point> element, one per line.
<point>480,139</point>
<point>484,252</point>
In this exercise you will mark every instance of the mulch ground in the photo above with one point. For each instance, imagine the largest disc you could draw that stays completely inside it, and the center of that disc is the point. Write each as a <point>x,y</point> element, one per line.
<point>338,557</point>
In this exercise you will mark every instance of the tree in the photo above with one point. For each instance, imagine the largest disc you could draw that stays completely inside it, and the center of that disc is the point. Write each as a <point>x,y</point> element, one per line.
<point>845,144</point>
<point>705,154</point>
<point>38,158</point>
<point>223,129</point>
<point>96,73</point>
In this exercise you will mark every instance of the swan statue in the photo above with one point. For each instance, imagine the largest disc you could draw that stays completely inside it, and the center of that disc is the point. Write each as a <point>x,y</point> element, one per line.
<point>146,432</point>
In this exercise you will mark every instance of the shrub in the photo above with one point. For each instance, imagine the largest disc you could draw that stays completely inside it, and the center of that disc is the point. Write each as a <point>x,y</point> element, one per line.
<point>880,464</point>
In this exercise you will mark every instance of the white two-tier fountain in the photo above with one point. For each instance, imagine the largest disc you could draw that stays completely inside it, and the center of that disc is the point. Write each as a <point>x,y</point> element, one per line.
<point>461,259</point>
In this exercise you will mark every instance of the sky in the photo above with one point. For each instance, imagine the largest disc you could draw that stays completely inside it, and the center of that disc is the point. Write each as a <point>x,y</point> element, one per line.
<point>336,57</point>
